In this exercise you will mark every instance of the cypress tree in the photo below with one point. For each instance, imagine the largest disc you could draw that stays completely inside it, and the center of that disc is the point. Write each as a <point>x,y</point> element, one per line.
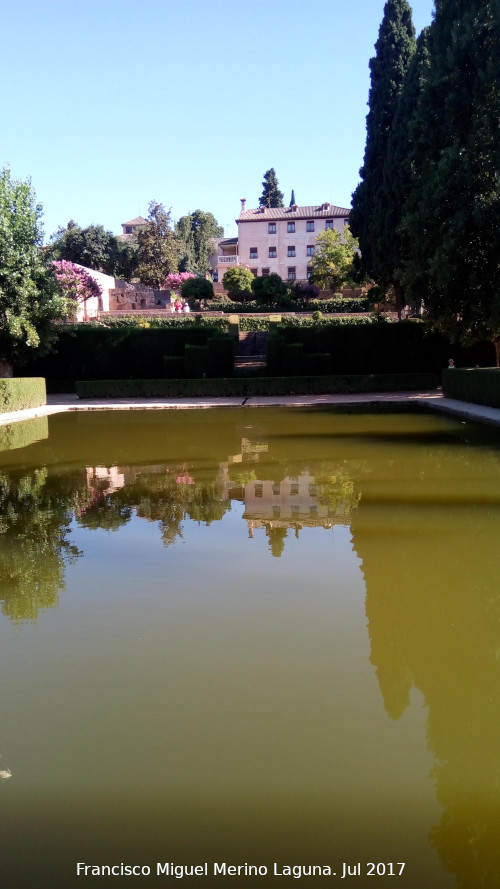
<point>389,245</point>
<point>271,195</point>
<point>393,51</point>
<point>292,199</point>
<point>452,216</point>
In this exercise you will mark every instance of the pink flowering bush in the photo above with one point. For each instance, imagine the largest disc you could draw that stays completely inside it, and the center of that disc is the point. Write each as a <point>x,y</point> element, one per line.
<point>175,281</point>
<point>75,283</point>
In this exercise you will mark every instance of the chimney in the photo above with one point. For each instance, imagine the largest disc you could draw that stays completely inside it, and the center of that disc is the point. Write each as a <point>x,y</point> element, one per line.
<point>243,204</point>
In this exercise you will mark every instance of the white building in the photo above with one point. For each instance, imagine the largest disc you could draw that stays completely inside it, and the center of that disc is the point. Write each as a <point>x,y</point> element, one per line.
<point>279,239</point>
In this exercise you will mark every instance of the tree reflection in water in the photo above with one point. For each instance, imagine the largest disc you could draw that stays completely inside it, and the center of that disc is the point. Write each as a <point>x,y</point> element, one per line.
<point>35,512</point>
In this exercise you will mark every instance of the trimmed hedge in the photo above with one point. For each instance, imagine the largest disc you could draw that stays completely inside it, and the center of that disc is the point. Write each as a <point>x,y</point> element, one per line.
<point>92,353</point>
<point>403,347</point>
<point>19,393</point>
<point>479,385</point>
<point>247,387</point>
<point>215,359</point>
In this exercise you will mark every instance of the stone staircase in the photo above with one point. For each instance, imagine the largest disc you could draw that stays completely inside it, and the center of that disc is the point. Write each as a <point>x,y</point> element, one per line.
<point>250,355</point>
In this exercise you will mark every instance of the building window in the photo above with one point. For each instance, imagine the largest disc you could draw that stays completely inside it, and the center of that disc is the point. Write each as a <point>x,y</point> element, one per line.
<point>291,273</point>
<point>294,488</point>
<point>254,272</point>
<point>276,488</point>
<point>258,489</point>
<point>290,227</point>
<point>271,228</point>
<point>272,253</point>
<point>128,229</point>
<point>309,272</point>
<point>265,272</point>
<point>277,511</point>
<point>310,226</point>
<point>329,225</point>
<point>291,251</point>
<point>253,253</point>
<point>310,249</point>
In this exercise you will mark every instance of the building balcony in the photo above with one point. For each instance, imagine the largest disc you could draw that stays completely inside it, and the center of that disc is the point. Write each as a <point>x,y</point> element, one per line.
<point>228,260</point>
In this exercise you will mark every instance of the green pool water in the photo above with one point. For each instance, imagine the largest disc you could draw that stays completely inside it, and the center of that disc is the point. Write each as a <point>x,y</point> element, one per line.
<point>255,639</point>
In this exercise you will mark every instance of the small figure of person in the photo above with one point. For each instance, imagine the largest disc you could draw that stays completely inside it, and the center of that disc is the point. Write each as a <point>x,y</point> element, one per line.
<point>178,306</point>
<point>451,363</point>
<point>186,308</point>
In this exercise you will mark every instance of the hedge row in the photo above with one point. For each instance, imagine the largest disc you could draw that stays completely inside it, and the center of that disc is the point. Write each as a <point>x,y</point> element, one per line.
<point>92,353</point>
<point>478,385</point>
<point>335,304</point>
<point>195,319</point>
<point>403,347</point>
<point>246,388</point>
<point>19,393</point>
<point>215,359</point>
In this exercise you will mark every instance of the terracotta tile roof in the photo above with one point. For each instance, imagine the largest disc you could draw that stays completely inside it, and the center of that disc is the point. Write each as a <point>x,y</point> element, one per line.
<point>323,211</point>
<point>137,221</point>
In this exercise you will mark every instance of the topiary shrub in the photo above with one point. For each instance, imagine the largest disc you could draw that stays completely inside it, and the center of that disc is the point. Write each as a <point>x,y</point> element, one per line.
<point>197,289</point>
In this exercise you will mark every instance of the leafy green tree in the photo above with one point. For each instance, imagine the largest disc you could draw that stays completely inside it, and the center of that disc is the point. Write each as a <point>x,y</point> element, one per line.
<point>197,288</point>
<point>238,282</point>
<point>196,233</point>
<point>333,261</point>
<point>271,195</point>
<point>158,251</point>
<point>452,217</point>
<point>29,298</point>
<point>393,51</point>
<point>94,248</point>
<point>269,289</point>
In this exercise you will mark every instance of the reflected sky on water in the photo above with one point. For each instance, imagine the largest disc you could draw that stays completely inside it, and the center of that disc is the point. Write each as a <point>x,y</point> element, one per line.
<point>251,636</point>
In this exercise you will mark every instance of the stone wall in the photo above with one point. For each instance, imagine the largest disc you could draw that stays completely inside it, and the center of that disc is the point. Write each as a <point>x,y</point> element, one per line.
<point>131,297</point>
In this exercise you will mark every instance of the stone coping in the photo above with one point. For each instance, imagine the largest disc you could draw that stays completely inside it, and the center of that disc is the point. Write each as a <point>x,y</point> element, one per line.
<point>433,399</point>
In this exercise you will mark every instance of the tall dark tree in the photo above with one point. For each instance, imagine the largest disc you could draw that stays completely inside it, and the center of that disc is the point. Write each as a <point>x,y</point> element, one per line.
<point>292,198</point>
<point>452,216</point>
<point>393,51</point>
<point>271,195</point>
<point>196,233</point>
<point>389,245</point>
<point>158,249</point>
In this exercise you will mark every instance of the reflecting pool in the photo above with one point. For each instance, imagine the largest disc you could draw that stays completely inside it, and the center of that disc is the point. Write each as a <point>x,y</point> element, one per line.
<point>255,639</point>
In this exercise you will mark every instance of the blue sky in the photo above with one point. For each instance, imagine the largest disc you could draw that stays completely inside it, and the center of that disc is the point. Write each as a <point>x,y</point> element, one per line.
<point>109,104</point>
